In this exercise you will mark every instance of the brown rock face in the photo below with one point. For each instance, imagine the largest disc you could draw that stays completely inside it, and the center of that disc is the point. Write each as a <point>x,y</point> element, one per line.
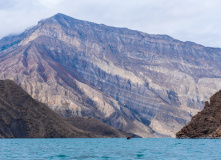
<point>207,123</point>
<point>149,85</point>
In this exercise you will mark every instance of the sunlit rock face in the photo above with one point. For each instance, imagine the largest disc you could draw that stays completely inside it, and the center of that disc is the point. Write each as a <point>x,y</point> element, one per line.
<point>149,85</point>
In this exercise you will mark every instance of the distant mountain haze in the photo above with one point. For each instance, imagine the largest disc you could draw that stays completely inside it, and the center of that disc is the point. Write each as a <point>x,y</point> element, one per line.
<point>148,85</point>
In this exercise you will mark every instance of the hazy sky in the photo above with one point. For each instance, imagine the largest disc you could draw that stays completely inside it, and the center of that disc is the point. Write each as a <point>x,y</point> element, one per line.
<point>187,20</point>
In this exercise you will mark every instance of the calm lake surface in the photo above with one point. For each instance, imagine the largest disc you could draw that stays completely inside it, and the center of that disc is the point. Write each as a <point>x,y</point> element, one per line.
<point>110,148</point>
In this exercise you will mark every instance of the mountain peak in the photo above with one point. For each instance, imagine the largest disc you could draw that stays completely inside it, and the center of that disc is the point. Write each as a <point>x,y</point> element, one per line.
<point>61,15</point>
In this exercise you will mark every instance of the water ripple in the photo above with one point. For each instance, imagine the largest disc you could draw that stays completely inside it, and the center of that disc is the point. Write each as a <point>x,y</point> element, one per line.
<point>109,148</point>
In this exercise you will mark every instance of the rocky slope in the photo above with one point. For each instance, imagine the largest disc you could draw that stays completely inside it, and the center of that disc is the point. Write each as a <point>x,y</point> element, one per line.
<point>23,117</point>
<point>96,127</point>
<point>207,123</point>
<point>149,85</point>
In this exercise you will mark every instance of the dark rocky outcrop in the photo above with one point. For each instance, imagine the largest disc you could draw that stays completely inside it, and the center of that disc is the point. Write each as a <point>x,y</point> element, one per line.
<point>207,123</point>
<point>23,117</point>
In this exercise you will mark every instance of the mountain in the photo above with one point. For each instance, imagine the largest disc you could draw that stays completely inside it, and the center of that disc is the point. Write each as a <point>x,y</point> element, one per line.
<point>206,124</point>
<point>148,85</point>
<point>96,127</point>
<point>24,117</point>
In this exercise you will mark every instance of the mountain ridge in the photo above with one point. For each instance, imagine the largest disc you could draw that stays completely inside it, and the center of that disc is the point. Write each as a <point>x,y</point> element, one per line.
<point>60,15</point>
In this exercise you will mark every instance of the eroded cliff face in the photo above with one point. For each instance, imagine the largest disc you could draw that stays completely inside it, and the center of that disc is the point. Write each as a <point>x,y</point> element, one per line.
<point>149,85</point>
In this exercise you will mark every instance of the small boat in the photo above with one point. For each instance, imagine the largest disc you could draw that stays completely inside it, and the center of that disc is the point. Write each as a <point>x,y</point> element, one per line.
<point>128,137</point>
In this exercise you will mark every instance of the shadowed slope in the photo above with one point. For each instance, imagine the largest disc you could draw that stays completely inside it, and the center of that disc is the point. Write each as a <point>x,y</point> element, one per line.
<point>23,117</point>
<point>96,127</point>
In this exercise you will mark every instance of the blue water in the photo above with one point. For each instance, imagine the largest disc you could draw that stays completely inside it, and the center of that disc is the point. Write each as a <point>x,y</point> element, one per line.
<point>110,148</point>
